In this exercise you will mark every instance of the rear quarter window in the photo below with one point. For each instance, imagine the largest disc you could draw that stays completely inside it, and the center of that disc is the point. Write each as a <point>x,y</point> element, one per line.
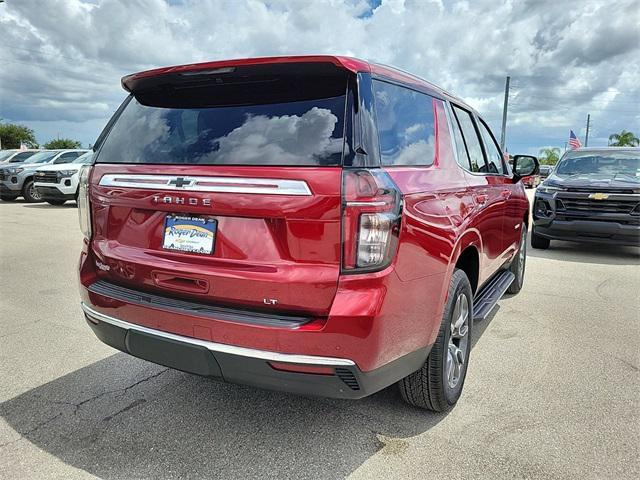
<point>406,125</point>
<point>471,139</point>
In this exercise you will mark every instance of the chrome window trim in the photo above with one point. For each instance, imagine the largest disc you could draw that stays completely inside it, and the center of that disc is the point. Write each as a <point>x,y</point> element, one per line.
<point>220,347</point>
<point>450,118</point>
<point>265,186</point>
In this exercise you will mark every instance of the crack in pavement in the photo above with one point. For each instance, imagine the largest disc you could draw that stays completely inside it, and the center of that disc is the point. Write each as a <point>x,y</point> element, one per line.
<point>123,390</point>
<point>77,406</point>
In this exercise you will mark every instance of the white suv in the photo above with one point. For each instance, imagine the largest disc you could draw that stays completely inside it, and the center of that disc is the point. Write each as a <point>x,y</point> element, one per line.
<point>58,183</point>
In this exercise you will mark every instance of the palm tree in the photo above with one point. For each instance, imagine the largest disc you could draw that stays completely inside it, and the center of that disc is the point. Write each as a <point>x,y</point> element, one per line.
<point>623,139</point>
<point>549,156</point>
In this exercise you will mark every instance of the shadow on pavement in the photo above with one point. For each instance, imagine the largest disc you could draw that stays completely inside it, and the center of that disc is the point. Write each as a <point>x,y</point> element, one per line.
<point>69,204</point>
<point>599,253</point>
<point>125,418</point>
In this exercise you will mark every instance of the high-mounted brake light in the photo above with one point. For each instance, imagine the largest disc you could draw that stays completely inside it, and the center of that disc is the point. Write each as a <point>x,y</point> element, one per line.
<point>84,206</point>
<point>370,220</point>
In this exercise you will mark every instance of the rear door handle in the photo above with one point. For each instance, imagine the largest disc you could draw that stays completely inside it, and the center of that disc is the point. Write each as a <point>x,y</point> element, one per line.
<point>505,193</point>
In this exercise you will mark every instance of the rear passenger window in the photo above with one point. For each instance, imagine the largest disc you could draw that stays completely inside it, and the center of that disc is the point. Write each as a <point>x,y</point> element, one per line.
<point>471,139</point>
<point>406,128</point>
<point>493,151</point>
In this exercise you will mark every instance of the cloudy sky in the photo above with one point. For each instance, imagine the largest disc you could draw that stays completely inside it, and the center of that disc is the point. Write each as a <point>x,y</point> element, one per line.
<point>62,59</point>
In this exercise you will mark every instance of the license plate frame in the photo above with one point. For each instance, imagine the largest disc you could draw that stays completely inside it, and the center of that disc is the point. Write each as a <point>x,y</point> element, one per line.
<point>190,234</point>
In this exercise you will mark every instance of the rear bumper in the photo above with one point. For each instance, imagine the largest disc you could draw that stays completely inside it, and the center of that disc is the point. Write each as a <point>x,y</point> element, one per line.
<point>341,378</point>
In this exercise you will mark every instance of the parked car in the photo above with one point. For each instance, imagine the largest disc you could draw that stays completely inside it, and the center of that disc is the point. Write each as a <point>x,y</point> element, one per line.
<point>334,229</point>
<point>593,195</point>
<point>16,156</point>
<point>17,179</point>
<point>58,183</point>
<point>545,171</point>
<point>531,181</point>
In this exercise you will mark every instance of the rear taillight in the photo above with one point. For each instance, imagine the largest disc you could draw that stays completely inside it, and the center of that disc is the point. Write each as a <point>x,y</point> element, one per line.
<point>84,206</point>
<point>371,214</point>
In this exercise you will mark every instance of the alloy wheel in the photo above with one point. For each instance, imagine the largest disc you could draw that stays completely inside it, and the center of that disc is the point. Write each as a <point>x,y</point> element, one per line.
<point>34,193</point>
<point>522,254</point>
<point>458,341</point>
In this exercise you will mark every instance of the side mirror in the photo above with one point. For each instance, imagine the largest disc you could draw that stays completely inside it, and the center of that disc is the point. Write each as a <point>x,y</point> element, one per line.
<point>525,165</point>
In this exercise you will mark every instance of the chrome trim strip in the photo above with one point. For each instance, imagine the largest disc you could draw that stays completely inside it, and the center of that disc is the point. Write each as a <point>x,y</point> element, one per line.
<point>367,204</point>
<point>267,186</point>
<point>221,347</point>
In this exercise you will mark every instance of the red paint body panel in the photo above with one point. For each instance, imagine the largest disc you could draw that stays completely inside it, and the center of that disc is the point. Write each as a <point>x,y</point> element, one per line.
<point>289,248</point>
<point>351,64</point>
<point>267,246</point>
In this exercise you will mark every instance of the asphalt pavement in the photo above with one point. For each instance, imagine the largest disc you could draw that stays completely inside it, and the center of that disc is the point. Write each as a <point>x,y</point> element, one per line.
<point>553,388</point>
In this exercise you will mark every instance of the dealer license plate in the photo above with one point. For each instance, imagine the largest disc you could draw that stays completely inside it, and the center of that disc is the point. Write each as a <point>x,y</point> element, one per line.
<point>189,234</point>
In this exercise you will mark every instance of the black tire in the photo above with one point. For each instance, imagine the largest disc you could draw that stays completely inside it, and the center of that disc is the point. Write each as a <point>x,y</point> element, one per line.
<point>56,202</point>
<point>519,262</point>
<point>29,192</point>
<point>539,242</point>
<point>429,387</point>
<point>8,198</point>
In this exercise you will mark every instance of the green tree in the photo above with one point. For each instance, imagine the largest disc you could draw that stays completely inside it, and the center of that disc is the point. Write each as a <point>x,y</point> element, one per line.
<point>549,156</point>
<point>12,135</point>
<point>623,139</point>
<point>62,143</point>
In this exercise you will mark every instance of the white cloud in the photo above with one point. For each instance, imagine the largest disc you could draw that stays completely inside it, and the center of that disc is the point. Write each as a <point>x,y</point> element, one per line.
<point>284,140</point>
<point>62,59</point>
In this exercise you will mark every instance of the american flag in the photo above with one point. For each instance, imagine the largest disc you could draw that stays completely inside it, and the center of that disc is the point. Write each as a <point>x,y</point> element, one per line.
<point>574,142</point>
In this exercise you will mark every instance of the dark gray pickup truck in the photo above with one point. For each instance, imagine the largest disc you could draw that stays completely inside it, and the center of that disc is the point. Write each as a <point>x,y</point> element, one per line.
<point>593,195</point>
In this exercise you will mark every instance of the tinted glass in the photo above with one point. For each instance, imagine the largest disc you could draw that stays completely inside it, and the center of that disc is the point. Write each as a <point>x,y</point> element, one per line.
<point>306,132</point>
<point>84,159</point>
<point>622,164</point>
<point>462,157</point>
<point>42,157</point>
<point>4,154</point>
<point>471,139</point>
<point>67,157</point>
<point>494,156</point>
<point>22,156</point>
<point>406,128</point>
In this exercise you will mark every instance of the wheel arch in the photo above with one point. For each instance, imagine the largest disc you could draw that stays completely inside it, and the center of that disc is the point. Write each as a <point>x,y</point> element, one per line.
<point>466,257</point>
<point>26,179</point>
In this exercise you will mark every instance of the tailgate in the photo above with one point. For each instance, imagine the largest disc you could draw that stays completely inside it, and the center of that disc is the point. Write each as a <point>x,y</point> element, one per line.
<point>277,251</point>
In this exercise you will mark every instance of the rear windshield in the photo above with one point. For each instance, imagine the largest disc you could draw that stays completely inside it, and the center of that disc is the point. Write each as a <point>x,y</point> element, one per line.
<point>273,121</point>
<point>610,164</point>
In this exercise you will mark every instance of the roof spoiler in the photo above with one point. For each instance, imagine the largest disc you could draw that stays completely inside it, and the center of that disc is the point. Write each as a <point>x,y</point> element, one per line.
<point>131,82</point>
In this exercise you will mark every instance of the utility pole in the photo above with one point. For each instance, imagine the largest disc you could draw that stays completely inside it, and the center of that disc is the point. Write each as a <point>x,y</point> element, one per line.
<point>586,137</point>
<point>504,113</point>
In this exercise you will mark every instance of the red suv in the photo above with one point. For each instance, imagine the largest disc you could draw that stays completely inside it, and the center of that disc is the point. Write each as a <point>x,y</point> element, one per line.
<point>319,225</point>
